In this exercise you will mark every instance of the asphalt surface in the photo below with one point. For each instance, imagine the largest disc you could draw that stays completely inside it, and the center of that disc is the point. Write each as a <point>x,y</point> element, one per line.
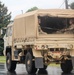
<point>20,70</point>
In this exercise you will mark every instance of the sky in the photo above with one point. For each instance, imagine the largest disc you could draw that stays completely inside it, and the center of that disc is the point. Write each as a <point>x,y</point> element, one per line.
<point>17,6</point>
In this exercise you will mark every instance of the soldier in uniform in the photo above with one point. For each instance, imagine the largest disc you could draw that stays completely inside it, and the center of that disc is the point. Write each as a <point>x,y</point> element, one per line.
<point>68,30</point>
<point>39,27</point>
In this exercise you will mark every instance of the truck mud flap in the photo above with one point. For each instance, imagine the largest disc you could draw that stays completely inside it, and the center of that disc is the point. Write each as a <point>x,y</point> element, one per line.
<point>39,62</point>
<point>73,61</point>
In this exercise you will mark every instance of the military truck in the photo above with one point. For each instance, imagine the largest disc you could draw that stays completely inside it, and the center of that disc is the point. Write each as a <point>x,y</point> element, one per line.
<point>32,39</point>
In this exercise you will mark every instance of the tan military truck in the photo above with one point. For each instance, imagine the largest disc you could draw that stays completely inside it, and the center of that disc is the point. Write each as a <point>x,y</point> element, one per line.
<point>39,38</point>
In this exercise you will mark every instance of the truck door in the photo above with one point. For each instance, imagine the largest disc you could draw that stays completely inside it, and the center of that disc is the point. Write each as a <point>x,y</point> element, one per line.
<point>9,36</point>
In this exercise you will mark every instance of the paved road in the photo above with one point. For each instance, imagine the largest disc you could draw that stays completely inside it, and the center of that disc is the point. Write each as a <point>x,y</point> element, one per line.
<point>20,70</point>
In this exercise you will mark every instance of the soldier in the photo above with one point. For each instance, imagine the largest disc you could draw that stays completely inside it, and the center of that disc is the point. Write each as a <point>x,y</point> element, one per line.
<point>39,27</point>
<point>70,29</point>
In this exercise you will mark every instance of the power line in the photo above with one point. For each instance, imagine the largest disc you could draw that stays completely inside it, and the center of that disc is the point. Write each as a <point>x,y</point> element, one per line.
<point>61,4</point>
<point>66,4</point>
<point>68,0</point>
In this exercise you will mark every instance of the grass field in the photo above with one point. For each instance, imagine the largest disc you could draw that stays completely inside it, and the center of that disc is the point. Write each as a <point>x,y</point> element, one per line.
<point>53,64</point>
<point>2,59</point>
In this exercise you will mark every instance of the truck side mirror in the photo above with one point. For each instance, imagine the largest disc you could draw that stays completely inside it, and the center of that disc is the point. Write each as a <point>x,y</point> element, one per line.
<point>1,31</point>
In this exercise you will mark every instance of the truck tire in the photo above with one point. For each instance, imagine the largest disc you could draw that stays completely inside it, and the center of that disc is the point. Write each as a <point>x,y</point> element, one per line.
<point>30,64</point>
<point>11,65</point>
<point>67,66</point>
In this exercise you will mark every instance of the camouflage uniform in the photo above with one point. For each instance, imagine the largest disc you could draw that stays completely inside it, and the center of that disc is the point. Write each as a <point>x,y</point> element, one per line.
<point>70,29</point>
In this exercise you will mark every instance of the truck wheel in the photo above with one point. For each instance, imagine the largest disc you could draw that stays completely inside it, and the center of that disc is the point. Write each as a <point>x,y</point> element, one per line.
<point>67,66</point>
<point>30,64</point>
<point>11,65</point>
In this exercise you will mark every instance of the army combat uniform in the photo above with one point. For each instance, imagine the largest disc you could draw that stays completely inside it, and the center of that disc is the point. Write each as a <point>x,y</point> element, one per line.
<point>68,30</point>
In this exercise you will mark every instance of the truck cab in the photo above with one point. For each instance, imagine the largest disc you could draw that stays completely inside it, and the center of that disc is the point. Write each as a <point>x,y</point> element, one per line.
<point>8,37</point>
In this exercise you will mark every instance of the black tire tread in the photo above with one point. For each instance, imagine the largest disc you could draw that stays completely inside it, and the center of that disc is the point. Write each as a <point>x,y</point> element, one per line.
<point>12,65</point>
<point>32,69</point>
<point>67,66</point>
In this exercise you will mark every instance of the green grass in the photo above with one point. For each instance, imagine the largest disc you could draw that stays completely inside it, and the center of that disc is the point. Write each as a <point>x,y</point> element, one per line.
<point>2,59</point>
<point>53,64</point>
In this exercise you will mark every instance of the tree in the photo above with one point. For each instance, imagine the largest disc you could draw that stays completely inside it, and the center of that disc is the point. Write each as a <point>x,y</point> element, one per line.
<point>32,9</point>
<point>72,5</point>
<point>4,16</point>
<point>4,21</point>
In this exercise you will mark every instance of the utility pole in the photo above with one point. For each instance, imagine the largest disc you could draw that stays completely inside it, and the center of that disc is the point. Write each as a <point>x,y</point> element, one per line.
<point>66,4</point>
<point>22,11</point>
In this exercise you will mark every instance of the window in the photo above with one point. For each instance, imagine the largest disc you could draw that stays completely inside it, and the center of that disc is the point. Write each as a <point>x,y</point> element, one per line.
<point>9,31</point>
<point>51,25</point>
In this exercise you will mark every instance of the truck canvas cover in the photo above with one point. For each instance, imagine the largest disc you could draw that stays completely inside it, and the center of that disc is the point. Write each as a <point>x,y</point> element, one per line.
<point>25,25</point>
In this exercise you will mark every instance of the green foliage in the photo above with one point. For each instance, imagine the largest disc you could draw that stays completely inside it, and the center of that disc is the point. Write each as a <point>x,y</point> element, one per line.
<point>32,9</point>
<point>72,5</point>
<point>4,21</point>
<point>4,16</point>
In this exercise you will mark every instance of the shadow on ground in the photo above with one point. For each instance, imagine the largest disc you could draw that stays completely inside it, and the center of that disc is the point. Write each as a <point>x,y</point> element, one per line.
<point>40,72</point>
